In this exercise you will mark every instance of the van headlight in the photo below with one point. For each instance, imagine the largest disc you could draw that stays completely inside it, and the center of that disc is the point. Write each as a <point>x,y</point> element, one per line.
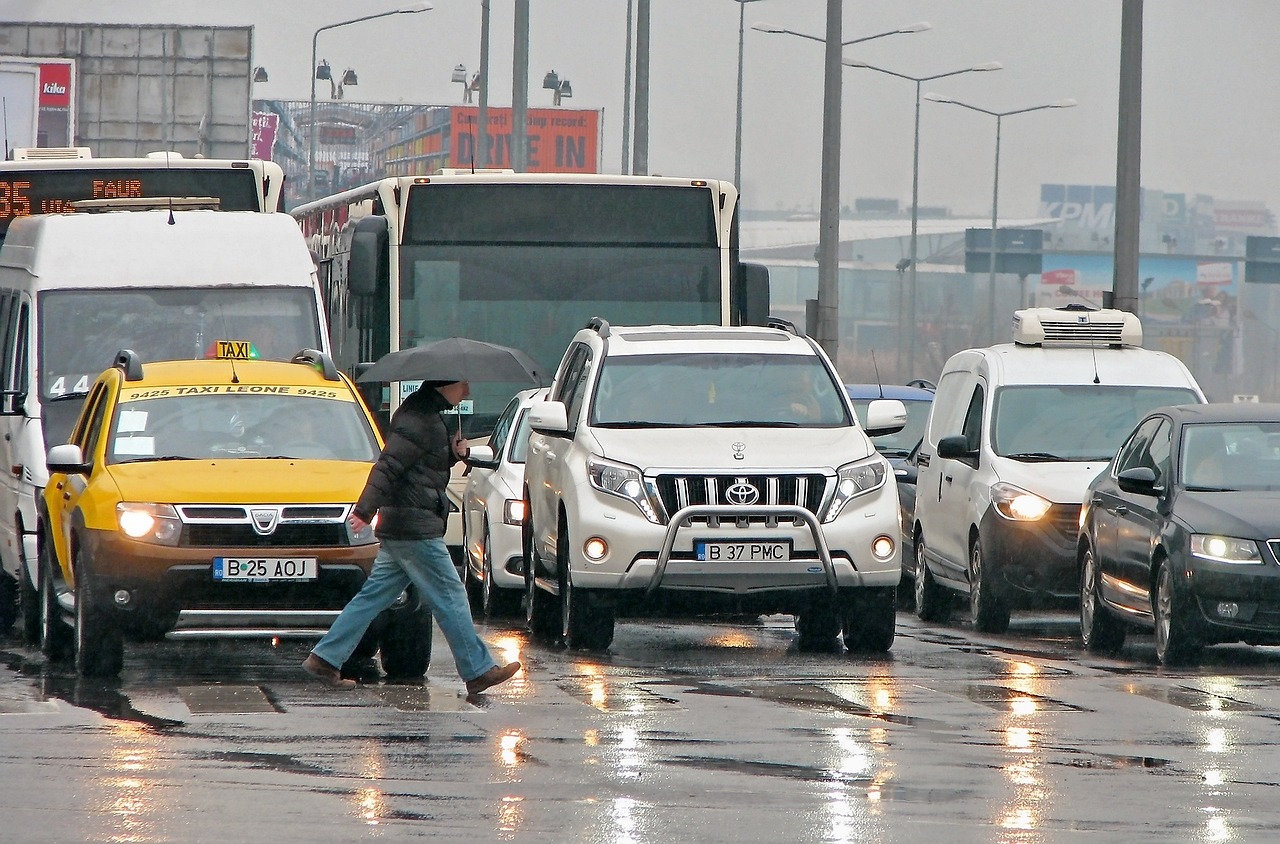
<point>154,523</point>
<point>854,479</point>
<point>623,481</point>
<point>1017,504</point>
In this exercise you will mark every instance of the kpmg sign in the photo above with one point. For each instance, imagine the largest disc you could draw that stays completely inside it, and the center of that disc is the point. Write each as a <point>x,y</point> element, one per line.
<point>1086,206</point>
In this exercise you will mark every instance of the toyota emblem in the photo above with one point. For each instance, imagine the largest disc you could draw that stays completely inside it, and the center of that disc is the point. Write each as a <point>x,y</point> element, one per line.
<point>742,493</point>
<point>739,451</point>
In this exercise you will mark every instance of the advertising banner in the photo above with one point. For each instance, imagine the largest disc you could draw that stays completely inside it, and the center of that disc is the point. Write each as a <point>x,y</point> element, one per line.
<point>560,140</point>
<point>263,129</point>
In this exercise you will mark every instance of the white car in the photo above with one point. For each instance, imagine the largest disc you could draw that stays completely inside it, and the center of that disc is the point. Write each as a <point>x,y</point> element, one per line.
<point>493,511</point>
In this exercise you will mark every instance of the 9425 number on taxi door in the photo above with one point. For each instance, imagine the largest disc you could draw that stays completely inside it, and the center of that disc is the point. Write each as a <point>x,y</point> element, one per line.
<point>264,568</point>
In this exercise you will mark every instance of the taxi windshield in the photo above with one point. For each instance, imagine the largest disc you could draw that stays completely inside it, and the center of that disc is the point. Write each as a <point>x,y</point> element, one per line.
<point>239,425</point>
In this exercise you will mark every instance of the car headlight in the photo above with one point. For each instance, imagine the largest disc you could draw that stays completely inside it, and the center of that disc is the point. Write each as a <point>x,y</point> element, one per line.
<point>1017,504</point>
<point>154,523</point>
<point>364,536</point>
<point>854,479</point>
<point>623,481</point>
<point>1225,549</point>
<point>513,510</point>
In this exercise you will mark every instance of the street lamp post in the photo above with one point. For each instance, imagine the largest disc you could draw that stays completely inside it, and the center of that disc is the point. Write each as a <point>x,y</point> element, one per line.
<point>413,8</point>
<point>995,188</point>
<point>828,333</point>
<point>737,138</point>
<point>907,339</point>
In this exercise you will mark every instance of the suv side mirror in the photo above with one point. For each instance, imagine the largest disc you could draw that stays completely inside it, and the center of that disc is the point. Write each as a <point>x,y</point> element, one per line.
<point>1140,480</point>
<point>67,458</point>
<point>482,457</point>
<point>548,417</point>
<point>955,447</point>
<point>885,416</point>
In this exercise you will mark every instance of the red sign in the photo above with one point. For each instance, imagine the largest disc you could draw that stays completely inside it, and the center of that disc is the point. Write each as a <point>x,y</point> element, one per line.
<point>1057,278</point>
<point>560,140</point>
<point>263,127</point>
<point>55,85</point>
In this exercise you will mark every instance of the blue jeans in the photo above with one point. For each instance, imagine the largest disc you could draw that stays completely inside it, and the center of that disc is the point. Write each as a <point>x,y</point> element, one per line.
<point>425,563</point>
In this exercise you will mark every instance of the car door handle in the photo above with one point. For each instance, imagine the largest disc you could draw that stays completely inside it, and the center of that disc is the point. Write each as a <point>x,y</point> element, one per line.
<point>1121,509</point>
<point>947,478</point>
<point>922,460</point>
<point>1097,499</point>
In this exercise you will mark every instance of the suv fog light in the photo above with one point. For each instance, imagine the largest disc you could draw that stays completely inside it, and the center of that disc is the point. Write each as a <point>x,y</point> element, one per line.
<point>1228,609</point>
<point>595,549</point>
<point>122,598</point>
<point>882,547</point>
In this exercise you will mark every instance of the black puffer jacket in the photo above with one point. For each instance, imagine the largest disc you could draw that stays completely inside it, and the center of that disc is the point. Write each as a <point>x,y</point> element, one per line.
<point>406,487</point>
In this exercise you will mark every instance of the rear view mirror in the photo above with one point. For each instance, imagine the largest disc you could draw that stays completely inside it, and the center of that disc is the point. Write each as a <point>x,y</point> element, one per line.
<point>548,417</point>
<point>482,457</point>
<point>367,271</point>
<point>67,458</point>
<point>1140,480</point>
<point>954,448</point>
<point>885,416</point>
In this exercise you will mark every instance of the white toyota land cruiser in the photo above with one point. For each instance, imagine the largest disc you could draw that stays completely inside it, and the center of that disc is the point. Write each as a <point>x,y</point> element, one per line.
<point>702,469</point>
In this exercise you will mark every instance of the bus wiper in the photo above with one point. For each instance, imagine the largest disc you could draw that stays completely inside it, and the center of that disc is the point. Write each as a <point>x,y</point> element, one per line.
<point>66,396</point>
<point>1037,457</point>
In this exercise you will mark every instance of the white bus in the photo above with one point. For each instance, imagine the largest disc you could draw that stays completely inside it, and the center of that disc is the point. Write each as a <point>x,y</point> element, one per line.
<point>53,180</point>
<point>524,260</point>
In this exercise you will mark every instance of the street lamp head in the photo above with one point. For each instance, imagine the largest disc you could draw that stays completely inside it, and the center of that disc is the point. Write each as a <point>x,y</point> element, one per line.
<point>987,66</point>
<point>857,63</point>
<point>551,81</point>
<point>923,26</point>
<point>767,27</point>
<point>413,8</point>
<point>349,77</point>
<point>938,98</point>
<point>259,74</point>
<point>323,71</point>
<point>1067,103</point>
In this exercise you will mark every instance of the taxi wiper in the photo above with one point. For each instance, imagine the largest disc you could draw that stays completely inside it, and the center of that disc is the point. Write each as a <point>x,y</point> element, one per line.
<point>1036,457</point>
<point>159,459</point>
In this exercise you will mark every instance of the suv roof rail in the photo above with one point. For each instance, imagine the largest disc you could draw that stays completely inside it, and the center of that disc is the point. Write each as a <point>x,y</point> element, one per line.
<point>600,325</point>
<point>318,359</point>
<point>784,324</point>
<point>129,361</point>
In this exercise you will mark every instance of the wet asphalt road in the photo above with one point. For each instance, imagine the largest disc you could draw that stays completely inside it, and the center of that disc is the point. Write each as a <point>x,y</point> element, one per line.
<point>685,732</point>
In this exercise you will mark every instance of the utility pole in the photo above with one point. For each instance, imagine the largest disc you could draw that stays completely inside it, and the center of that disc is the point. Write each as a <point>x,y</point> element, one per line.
<point>1124,282</point>
<point>829,202</point>
<point>520,89</point>
<point>640,160</point>
<point>626,98</point>
<point>482,114</point>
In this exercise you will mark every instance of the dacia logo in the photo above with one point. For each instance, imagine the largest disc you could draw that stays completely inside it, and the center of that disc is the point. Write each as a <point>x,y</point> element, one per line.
<point>264,521</point>
<point>739,451</point>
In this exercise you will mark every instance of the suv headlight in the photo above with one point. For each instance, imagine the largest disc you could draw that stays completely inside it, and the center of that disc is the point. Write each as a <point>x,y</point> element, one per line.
<point>623,481</point>
<point>1225,549</point>
<point>854,479</point>
<point>1017,504</point>
<point>154,523</point>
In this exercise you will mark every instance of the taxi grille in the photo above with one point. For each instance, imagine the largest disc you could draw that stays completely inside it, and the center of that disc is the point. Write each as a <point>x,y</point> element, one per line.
<point>264,526</point>
<point>678,491</point>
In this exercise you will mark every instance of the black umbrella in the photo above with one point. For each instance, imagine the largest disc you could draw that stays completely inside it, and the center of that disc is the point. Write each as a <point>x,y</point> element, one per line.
<point>455,359</point>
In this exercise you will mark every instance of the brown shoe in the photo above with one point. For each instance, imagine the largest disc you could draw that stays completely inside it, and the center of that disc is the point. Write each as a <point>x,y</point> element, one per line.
<point>326,673</point>
<point>492,677</point>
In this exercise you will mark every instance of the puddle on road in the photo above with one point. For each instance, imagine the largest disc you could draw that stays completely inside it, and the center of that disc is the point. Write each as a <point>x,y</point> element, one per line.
<point>278,762</point>
<point>410,698</point>
<point>1004,699</point>
<point>1189,698</point>
<point>227,700</point>
<point>809,696</point>
<point>608,694</point>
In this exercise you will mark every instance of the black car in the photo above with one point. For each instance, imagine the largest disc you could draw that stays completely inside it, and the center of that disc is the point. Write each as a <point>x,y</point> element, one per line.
<point>1179,533</point>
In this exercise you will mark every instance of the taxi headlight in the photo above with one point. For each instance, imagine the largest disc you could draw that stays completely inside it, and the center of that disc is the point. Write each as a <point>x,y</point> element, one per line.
<point>154,523</point>
<point>854,479</point>
<point>1225,549</point>
<point>1017,504</point>
<point>364,536</point>
<point>623,481</point>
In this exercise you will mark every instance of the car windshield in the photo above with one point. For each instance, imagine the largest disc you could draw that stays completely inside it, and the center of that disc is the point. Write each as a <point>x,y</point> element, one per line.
<point>717,389</point>
<point>1073,422</point>
<point>901,443</point>
<point>238,425</point>
<point>1231,456</point>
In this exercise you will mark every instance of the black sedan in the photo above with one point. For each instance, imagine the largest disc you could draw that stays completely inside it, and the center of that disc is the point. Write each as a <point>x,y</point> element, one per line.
<point>1180,533</point>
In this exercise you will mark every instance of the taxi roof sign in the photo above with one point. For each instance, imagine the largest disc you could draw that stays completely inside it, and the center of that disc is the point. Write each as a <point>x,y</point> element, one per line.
<point>234,350</point>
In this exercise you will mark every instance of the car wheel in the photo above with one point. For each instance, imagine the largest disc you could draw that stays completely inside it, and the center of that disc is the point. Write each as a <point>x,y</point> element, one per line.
<point>1177,637</point>
<point>990,611</point>
<point>1100,631</point>
<point>818,625</point>
<point>933,602</point>
<point>585,622</point>
<point>99,644</point>
<point>405,644</point>
<point>541,610</point>
<point>494,601</point>
<point>55,636</point>
<point>871,622</point>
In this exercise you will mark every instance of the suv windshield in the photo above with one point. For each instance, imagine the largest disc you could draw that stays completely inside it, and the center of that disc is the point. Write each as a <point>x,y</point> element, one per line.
<point>1073,422</point>
<point>239,425</point>
<point>733,389</point>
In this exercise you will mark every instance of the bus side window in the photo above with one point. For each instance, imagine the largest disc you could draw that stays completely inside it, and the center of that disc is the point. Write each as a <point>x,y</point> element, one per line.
<point>8,341</point>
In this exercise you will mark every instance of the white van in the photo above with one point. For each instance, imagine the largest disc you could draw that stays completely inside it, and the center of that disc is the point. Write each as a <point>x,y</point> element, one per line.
<point>1016,433</point>
<point>77,288</point>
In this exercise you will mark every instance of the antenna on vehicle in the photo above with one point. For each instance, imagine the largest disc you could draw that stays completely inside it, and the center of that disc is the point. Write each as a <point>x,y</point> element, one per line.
<point>473,172</point>
<point>4,106</point>
<point>171,220</point>
<point>879,383</point>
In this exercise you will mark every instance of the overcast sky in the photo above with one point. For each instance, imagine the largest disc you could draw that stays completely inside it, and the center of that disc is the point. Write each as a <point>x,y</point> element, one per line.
<point>1210,72</point>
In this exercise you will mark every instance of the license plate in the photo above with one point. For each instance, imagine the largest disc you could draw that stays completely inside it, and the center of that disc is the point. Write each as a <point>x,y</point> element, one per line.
<point>753,551</point>
<point>264,568</point>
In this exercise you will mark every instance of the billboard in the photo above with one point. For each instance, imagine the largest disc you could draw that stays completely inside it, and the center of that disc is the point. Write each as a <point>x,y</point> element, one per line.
<point>560,140</point>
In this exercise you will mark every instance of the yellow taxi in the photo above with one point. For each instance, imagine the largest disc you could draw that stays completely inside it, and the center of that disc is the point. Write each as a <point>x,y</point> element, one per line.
<point>210,498</point>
